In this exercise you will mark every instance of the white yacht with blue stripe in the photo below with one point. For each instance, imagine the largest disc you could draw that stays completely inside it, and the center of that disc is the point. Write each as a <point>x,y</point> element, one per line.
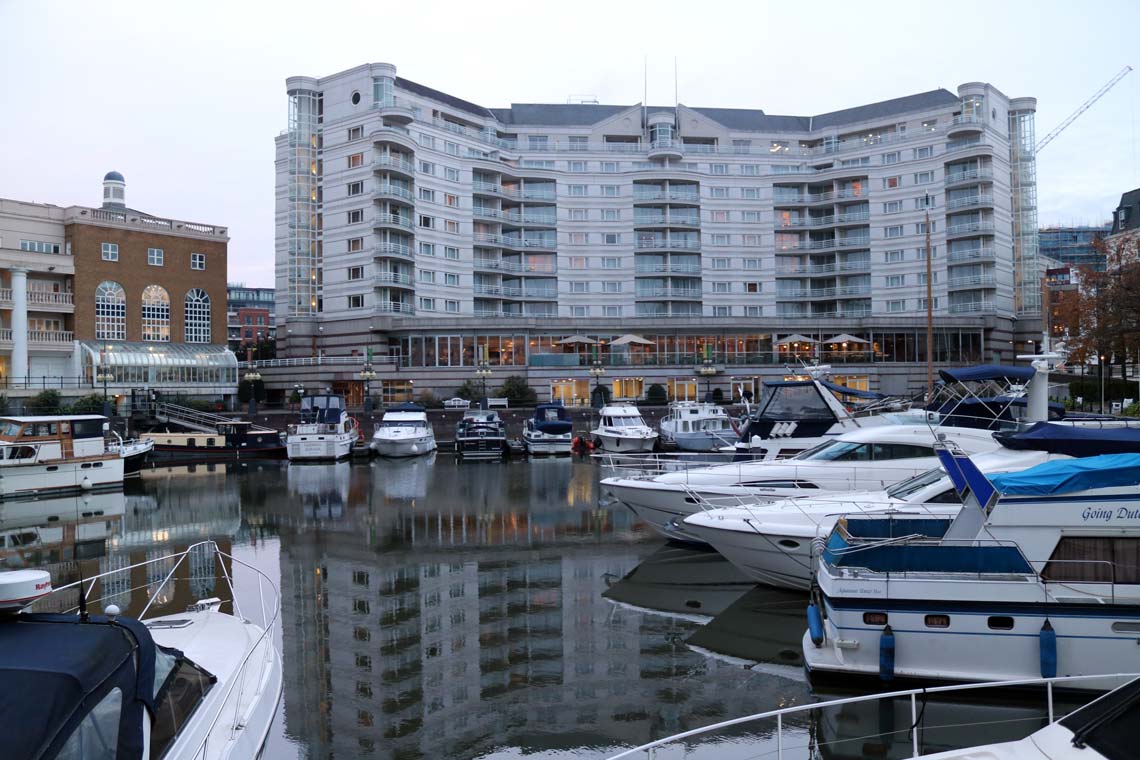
<point>1038,575</point>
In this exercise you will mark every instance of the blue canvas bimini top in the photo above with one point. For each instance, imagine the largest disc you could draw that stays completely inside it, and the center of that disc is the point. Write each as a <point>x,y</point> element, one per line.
<point>987,372</point>
<point>1069,475</point>
<point>852,392</point>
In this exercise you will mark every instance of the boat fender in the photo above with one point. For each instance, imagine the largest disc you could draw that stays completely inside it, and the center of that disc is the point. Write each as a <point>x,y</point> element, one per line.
<point>815,624</point>
<point>85,484</point>
<point>1048,638</point>
<point>887,654</point>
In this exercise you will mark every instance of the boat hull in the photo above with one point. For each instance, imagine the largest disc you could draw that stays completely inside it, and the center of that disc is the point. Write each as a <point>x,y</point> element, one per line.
<point>548,444</point>
<point>58,477</point>
<point>481,448</point>
<point>701,441</point>
<point>774,559</point>
<point>320,447</point>
<point>192,454</point>
<point>403,447</point>
<point>624,445</point>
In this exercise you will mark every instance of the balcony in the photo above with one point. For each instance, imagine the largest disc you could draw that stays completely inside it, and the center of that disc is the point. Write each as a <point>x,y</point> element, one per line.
<point>387,191</point>
<point>817,269</point>
<point>530,268</point>
<point>41,299</point>
<point>849,291</point>
<point>42,338</point>
<point>391,134</point>
<point>825,245</point>
<point>686,294</point>
<point>530,220</point>
<point>968,144</point>
<point>395,110</point>
<point>392,220</point>
<point>487,188</point>
<point>516,242</point>
<point>498,291</point>
<point>529,193</point>
<point>395,307</point>
<point>393,249</point>
<point>673,196</point>
<point>981,253</point>
<point>394,278</point>
<point>643,269</point>
<point>666,220</point>
<point>389,162</point>
<point>664,245</point>
<point>499,314</point>
<point>969,283</point>
<point>982,199</point>
<point>828,197</point>
<point>969,175</point>
<point>972,307</point>
<point>962,124</point>
<point>666,149</point>
<point>971,228</point>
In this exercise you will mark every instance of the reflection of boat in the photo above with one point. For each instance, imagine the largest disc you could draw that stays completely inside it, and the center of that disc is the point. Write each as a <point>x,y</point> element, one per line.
<point>407,478</point>
<point>322,490</point>
<point>682,580</point>
<point>622,430</point>
<point>763,625</point>
<point>549,431</point>
<point>325,431</point>
<point>862,460</point>
<point>481,434</point>
<point>1036,574</point>
<point>33,531</point>
<point>56,454</point>
<point>404,431</point>
<point>694,426</point>
<point>198,683</point>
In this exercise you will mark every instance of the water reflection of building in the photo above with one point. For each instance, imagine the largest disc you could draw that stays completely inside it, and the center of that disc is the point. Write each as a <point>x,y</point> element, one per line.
<point>448,653</point>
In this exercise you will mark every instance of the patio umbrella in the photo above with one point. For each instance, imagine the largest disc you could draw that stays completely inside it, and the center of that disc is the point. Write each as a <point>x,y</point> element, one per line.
<point>845,338</point>
<point>577,339</point>
<point>630,338</point>
<point>797,338</point>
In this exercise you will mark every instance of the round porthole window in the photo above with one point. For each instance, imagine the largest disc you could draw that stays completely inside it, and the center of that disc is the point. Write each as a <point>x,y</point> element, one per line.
<point>356,98</point>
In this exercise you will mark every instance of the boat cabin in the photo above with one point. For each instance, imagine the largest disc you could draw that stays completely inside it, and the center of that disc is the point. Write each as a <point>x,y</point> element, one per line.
<point>53,437</point>
<point>621,416</point>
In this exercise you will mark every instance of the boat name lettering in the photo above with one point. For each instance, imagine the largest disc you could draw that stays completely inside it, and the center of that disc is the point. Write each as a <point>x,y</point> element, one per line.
<point>861,591</point>
<point>1108,515</point>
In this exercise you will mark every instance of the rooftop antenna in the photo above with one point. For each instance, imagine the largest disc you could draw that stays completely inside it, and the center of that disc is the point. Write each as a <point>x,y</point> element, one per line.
<point>676,99</point>
<point>645,91</point>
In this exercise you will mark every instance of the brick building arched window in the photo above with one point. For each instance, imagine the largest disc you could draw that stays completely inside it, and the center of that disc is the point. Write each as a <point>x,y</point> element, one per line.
<point>197,309</point>
<point>110,311</point>
<point>155,313</point>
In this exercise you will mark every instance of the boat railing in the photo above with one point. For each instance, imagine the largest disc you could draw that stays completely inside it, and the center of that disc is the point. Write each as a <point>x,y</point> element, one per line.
<point>647,466</point>
<point>797,739</point>
<point>260,651</point>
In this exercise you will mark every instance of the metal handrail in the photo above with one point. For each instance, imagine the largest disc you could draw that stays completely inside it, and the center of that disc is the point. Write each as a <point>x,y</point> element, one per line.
<point>913,694</point>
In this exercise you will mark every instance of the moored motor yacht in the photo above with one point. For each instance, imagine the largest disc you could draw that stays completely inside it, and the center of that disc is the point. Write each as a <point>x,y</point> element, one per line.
<point>549,431</point>
<point>694,426</point>
<point>622,430</point>
<point>404,431</point>
<point>135,453</point>
<point>56,454</point>
<point>859,460</point>
<point>200,683</point>
<point>481,434</point>
<point>1036,575</point>
<point>325,432</point>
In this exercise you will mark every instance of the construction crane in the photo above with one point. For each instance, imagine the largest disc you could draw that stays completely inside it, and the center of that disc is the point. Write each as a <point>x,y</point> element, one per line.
<point>1084,107</point>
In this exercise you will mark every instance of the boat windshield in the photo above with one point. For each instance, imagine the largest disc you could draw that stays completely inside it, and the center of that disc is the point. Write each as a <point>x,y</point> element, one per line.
<point>837,451</point>
<point>911,486</point>
<point>403,423</point>
<point>625,422</point>
<point>9,428</point>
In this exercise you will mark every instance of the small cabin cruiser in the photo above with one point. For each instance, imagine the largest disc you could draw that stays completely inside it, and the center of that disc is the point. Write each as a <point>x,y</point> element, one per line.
<point>860,460</point>
<point>135,453</point>
<point>404,431</point>
<point>200,683</point>
<point>325,432</point>
<point>696,426</point>
<point>481,434</point>
<point>56,454</point>
<point>622,430</point>
<point>1035,576</point>
<point>549,431</point>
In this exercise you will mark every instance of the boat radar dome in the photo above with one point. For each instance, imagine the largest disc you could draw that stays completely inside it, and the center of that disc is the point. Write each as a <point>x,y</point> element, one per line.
<point>114,190</point>
<point>19,588</point>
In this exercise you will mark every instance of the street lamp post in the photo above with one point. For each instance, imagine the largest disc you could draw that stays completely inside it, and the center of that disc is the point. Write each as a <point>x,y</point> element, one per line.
<point>707,370</point>
<point>367,375</point>
<point>104,376</point>
<point>597,370</point>
<point>1100,367</point>
<point>483,371</point>
<point>253,377</point>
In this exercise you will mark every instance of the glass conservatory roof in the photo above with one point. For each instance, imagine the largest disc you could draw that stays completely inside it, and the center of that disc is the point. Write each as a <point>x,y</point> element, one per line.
<point>127,354</point>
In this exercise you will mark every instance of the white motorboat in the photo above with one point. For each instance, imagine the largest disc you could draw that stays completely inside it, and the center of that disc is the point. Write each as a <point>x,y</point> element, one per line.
<point>200,683</point>
<point>1036,575</point>
<point>694,426</point>
<point>860,460</point>
<point>622,430</point>
<point>135,453</point>
<point>404,431</point>
<point>772,542</point>
<point>56,454</point>
<point>325,432</point>
<point>549,431</point>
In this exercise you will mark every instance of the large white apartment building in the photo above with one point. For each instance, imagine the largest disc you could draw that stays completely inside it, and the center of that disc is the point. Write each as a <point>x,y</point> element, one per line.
<point>411,222</point>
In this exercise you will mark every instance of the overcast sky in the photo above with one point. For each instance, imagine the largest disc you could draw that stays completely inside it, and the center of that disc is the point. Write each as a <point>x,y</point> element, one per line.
<point>185,99</point>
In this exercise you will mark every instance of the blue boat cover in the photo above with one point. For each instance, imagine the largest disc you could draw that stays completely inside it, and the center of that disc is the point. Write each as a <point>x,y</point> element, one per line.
<point>54,670</point>
<point>406,407</point>
<point>1069,475</point>
<point>786,383</point>
<point>1074,441</point>
<point>987,372</point>
<point>852,392</point>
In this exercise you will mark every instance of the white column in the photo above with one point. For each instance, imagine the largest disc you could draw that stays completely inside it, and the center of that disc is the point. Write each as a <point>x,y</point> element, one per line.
<point>19,365</point>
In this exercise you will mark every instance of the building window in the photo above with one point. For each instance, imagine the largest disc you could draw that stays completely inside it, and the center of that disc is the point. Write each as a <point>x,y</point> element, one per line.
<point>611,214</point>
<point>753,287</point>
<point>577,191</point>
<point>578,215</point>
<point>890,183</point>
<point>579,311</point>
<point>355,244</point>
<point>154,257</point>
<point>752,241</point>
<point>577,166</point>
<point>355,133</point>
<point>896,280</point>
<point>753,311</point>
<point>577,262</point>
<point>427,167</point>
<point>451,252</point>
<point>39,246</point>
<point>893,257</point>
<point>537,142</point>
<point>722,311</point>
<point>427,249</point>
<point>610,191</point>
<point>609,167</point>
<point>451,225</point>
<point>578,238</point>
<point>720,263</point>
<point>718,168</point>
<point>355,188</point>
<point>451,279</point>
<point>427,222</point>
<point>427,195</point>
<point>450,199</point>
<point>110,311</point>
<point>718,216</point>
<point>356,273</point>
<point>750,170</point>
<point>356,302</point>
<point>894,231</point>
<point>452,307</point>
<point>197,316</point>
<point>718,192</point>
<point>451,174</point>
<point>892,207</point>
<point>155,313</point>
<point>752,263</point>
<point>924,152</point>
<point>611,238</point>
<point>356,216</point>
<point>751,216</point>
<point>896,306</point>
<point>610,262</point>
<point>611,286</point>
<point>750,194</point>
<point>930,125</point>
<point>579,142</point>
<point>355,160</point>
<point>920,227</point>
<point>427,276</point>
<point>452,149</point>
<point>611,311</point>
<point>720,239</point>
<point>890,158</point>
<point>923,178</point>
<point>427,304</point>
<point>110,251</point>
<point>198,261</point>
<point>721,287</point>
<point>579,287</point>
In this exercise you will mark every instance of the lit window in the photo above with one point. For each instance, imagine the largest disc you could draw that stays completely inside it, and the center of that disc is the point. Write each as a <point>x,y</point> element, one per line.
<point>355,160</point>
<point>155,313</point>
<point>110,311</point>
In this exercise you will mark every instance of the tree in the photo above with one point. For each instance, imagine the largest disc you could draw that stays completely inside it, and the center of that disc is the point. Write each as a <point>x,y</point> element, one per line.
<point>655,395</point>
<point>516,391</point>
<point>470,390</point>
<point>91,404</point>
<point>1105,308</point>
<point>247,388</point>
<point>46,402</point>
